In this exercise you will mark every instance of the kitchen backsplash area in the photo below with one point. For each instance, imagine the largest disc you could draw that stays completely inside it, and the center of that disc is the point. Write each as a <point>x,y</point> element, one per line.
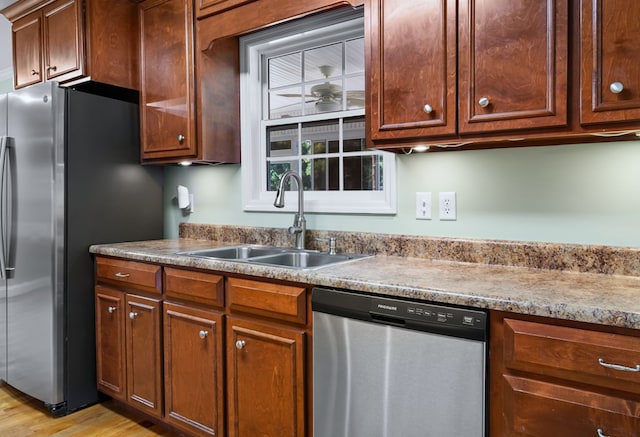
<point>549,256</point>
<point>576,194</point>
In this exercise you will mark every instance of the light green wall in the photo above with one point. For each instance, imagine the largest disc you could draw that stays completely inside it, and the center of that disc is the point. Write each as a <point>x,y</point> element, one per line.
<point>6,85</point>
<point>587,193</point>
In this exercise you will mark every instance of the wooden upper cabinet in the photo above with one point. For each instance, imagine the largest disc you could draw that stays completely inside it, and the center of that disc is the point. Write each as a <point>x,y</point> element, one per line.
<point>63,44</point>
<point>27,50</point>
<point>209,7</point>
<point>73,41</point>
<point>513,61</point>
<point>412,68</point>
<point>166,79</point>
<point>610,50</point>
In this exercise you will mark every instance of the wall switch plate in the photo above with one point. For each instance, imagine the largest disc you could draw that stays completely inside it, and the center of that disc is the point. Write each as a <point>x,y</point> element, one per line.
<point>423,206</point>
<point>447,204</point>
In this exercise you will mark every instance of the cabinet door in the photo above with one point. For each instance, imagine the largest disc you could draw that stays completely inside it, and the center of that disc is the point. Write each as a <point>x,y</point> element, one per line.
<point>610,50</point>
<point>63,40</point>
<point>539,409</point>
<point>266,383</point>
<point>27,50</point>
<point>193,369</point>
<point>144,371</point>
<point>166,79</point>
<point>512,64</point>
<point>110,342</point>
<point>411,68</point>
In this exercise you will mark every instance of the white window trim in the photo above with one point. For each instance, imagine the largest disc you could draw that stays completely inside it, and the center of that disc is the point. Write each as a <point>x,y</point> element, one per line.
<point>253,169</point>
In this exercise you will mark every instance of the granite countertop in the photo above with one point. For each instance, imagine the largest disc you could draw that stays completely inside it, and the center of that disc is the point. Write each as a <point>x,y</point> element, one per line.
<point>587,297</point>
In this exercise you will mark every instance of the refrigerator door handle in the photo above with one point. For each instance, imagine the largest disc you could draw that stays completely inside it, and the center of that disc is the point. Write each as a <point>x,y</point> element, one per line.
<point>5,199</point>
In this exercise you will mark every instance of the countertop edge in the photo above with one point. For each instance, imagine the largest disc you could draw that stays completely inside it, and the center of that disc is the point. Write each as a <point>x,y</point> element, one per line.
<point>583,297</point>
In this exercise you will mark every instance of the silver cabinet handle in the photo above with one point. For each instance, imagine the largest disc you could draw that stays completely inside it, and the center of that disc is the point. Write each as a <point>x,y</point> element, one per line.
<point>484,102</point>
<point>203,334</point>
<point>240,344</point>
<point>601,434</point>
<point>122,275</point>
<point>616,87</point>
<point>180,138</point>
<point>618,366</point>
<point>111,309</point>
<point>133,315</point>
<point>427,108</point>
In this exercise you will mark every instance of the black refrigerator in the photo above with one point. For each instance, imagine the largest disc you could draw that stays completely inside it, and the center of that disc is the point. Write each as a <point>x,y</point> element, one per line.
<point>70,176</point>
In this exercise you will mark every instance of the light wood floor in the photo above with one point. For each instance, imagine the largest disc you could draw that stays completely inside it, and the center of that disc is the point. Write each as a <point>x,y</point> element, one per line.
<point>23,416</point>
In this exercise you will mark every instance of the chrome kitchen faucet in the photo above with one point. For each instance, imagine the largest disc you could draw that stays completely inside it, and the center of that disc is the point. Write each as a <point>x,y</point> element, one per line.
<point>299,223</point>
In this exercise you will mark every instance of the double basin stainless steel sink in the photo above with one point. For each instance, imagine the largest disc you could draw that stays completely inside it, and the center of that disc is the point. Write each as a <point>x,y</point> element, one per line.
<point>274,256</point>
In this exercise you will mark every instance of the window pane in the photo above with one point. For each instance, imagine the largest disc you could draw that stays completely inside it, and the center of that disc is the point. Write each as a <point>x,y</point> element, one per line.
<point>282,140</point>
<point>316,135</point>
<point>321,174</point>
<point>355,92</point>
<point>275,170</point>
<point>363,173</point>
<point>354,56</point>
<point>286,102</point>
<point>353,135</point>
<point>285,70</point>
<point>323,62</point>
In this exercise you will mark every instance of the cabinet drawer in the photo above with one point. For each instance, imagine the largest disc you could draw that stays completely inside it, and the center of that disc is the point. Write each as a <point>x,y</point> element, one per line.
<point>538,409</point>
<point>282,302</point>
<point>129,274</point>
<point>573,354</point>
<point>204,288</point>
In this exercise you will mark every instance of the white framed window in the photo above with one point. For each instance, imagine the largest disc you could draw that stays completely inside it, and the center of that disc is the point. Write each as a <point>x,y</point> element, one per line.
<point>302,108</point>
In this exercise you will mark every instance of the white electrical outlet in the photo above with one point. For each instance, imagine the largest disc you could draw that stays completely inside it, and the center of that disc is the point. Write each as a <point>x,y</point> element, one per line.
<point>423,206</point>
<point>447,204</point>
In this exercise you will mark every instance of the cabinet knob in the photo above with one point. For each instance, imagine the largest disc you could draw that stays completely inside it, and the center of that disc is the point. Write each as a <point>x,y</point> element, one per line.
<point>111,309</point>
<point>133,315</point>
<point>203,334</point>
<point>181,138</point>
<point>484,102</point>
<point>34,73</point>
<point>240,344</point>
<point>52,68</point>
<point>428,108</point>
<point>616,87</point>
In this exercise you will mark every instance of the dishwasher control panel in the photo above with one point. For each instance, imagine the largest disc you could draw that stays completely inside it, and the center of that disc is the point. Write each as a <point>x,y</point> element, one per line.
<point>428,313</point>
<point>443,319</point>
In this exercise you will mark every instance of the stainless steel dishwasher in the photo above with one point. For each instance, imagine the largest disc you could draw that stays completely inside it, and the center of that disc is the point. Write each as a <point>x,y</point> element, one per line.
<point>387,367</point>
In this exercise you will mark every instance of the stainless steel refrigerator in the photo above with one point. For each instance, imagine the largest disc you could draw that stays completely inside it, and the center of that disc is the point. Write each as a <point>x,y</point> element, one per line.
<point>69,177</point>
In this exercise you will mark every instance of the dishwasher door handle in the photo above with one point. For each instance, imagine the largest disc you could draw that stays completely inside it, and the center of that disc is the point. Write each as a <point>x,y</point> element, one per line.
<point>387,320</point>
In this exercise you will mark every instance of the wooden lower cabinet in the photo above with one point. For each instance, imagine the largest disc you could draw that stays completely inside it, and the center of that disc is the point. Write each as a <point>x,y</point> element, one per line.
<point>265,379</point>
<point>563,378</point>
<point>193,369</point>
<point>110,348</point>
<point>129,363</point>
<point>144,359</point>
<point>204,354</point>
<point>541,409</point>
